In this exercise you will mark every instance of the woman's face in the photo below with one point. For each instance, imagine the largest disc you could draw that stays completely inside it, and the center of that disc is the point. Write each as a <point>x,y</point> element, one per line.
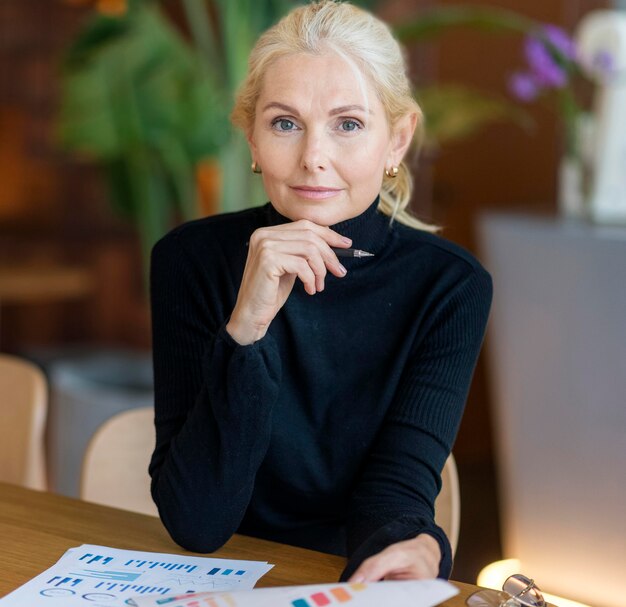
<point>322,139</point>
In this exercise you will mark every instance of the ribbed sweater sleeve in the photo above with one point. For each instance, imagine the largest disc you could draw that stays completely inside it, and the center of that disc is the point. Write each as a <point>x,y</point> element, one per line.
<point>394,497</point>
<point>213,402</point>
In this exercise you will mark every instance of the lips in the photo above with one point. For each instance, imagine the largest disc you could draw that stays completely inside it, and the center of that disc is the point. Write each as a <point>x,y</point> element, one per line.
<point>315,192</point>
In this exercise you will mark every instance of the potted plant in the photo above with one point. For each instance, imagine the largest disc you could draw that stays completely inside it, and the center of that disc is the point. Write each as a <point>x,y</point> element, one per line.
<point>151,106</point>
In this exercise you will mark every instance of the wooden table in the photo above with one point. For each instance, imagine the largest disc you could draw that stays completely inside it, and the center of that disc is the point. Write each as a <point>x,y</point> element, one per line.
<point>36,528</point>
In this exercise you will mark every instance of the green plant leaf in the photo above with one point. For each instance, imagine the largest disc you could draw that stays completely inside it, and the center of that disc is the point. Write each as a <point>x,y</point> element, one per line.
<point>435,21</point>
<point>170,91</point>
<point>454,112</point>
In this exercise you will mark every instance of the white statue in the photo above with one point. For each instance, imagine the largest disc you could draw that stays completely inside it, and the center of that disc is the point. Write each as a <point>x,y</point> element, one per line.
<point>601,39</point>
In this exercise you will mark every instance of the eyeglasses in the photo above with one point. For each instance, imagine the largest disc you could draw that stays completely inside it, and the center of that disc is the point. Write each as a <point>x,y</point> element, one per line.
<point>517,591</point>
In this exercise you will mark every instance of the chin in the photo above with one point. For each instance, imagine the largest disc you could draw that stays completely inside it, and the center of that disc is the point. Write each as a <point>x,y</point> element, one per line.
<point>327,214</point>
<point>323,218</point>
<point>318,215</point>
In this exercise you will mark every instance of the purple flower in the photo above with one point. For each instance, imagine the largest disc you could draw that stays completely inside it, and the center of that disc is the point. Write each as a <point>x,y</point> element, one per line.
<point>524,86</point>
<point>547,53</point>
<point>561,41</point>
<point>543,66</point>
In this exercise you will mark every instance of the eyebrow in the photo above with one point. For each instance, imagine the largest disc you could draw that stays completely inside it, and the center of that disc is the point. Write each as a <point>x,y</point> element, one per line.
<point>338,110</point>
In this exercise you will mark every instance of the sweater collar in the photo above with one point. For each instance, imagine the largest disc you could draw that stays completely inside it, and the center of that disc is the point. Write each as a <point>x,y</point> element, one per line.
<point>368,231</point>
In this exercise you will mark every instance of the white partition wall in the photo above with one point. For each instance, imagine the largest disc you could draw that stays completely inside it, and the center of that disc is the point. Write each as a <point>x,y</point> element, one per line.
<point>557,351</point>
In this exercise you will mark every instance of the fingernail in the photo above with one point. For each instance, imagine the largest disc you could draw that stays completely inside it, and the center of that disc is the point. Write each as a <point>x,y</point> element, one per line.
<point>346,240</point>
<point>342,269</point>
<point>359,579</point>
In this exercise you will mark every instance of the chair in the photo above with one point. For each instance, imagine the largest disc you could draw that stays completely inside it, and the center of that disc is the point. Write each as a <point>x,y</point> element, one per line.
<point>23,409</point>
<point>114,471</point>
<point>115,465</point>
<point>448,503</point>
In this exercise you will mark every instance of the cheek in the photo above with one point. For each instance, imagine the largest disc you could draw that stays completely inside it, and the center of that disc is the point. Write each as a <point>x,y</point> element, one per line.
<point>276,156</point>
<point>364,161</point>
<point>276,170</point>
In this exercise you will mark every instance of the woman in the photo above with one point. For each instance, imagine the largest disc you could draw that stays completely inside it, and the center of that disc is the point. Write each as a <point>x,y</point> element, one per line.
<point>301,395</point>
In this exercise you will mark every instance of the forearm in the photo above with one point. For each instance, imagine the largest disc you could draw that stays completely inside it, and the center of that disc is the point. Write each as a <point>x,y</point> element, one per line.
<point>204,466</point>
<point>203,484</point>
<point>394,500</point>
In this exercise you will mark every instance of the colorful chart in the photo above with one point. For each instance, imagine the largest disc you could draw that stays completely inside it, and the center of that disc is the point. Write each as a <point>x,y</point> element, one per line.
<point>339,594</point>
<point>144,564</point>
<point>59,580</point>
<point>97,575</point>
<point>95,558</point>
<point>424,593</point>
<point>217,570</point>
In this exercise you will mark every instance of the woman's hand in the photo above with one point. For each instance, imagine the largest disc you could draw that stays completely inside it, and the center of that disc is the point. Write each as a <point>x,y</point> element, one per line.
<point>415,559</point>
<point>276,256</point>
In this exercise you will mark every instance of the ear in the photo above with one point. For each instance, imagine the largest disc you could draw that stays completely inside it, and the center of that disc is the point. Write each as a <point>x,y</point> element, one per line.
<point>401,138</point>
<point>252,145</point>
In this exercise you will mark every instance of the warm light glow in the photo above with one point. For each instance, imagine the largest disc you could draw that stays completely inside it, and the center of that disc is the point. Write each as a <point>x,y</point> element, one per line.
<point>494,574</point>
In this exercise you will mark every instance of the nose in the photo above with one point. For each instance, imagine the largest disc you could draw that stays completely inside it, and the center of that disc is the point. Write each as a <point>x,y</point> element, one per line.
<point>313,156</point>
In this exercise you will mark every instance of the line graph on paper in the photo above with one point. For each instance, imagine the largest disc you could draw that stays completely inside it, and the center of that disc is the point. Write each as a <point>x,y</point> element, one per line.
<point>98,576</point>
<point>154,576</point>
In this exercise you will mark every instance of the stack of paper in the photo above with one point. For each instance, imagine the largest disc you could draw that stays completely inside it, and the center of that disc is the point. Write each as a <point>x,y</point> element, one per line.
<point>426,593</point>
<point>97,576</point>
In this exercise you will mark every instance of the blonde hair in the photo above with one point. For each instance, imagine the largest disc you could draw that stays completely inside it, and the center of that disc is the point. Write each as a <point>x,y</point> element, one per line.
<point>365,41</point>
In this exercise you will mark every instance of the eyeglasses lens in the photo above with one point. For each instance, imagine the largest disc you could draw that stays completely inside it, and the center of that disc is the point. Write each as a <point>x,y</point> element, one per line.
<point>524,591</point>
<point>487,598</point>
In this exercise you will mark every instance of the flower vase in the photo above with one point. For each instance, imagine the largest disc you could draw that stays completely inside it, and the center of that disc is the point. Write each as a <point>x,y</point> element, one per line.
<point>571,188</point>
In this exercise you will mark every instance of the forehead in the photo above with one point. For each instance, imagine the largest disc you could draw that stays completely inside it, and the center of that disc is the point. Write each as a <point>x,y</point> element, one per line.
<point>328,80</point>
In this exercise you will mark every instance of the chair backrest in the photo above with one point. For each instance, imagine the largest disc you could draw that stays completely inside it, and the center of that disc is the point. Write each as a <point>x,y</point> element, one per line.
<point>115,465</point>
<point>448,503</point>
<point>23,409</point>
<point>114,471</point>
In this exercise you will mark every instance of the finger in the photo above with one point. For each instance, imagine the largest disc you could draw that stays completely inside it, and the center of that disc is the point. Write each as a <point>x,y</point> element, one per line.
<point>334,239</point>
<point>330,258</point>
<point>299,231</point>
<point>270,249</point>
<point>377,567</point>
<point>292,264</point>
<point>330,236</point>
<point>399,561</point>
<point>315,250</point>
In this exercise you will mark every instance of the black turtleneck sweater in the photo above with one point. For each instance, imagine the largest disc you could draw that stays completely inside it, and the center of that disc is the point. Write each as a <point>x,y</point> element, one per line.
<point>331,431</point>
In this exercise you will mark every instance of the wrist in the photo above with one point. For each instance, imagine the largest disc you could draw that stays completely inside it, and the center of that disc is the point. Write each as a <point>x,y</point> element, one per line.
<point>244,333</point>
<point>431,543</point>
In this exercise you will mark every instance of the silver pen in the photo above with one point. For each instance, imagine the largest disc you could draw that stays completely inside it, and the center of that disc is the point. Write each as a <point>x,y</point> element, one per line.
<point>351,252</point>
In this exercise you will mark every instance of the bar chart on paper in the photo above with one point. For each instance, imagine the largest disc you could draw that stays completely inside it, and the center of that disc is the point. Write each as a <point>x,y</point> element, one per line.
<point>297,597</point>
<point>97,575</point>
<point>338,594</point>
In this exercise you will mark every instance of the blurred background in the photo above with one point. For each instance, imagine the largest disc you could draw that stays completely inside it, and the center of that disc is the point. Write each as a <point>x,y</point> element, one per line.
<point>114,127</point>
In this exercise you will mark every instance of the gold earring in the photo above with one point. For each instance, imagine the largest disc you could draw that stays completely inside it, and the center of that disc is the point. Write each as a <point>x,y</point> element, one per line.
<point>393,172</point>
<point>255,168</point>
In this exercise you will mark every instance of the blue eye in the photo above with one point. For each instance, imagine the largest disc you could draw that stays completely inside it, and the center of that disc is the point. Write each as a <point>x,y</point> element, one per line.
<point>282,124</point>
<point>349,126</point>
